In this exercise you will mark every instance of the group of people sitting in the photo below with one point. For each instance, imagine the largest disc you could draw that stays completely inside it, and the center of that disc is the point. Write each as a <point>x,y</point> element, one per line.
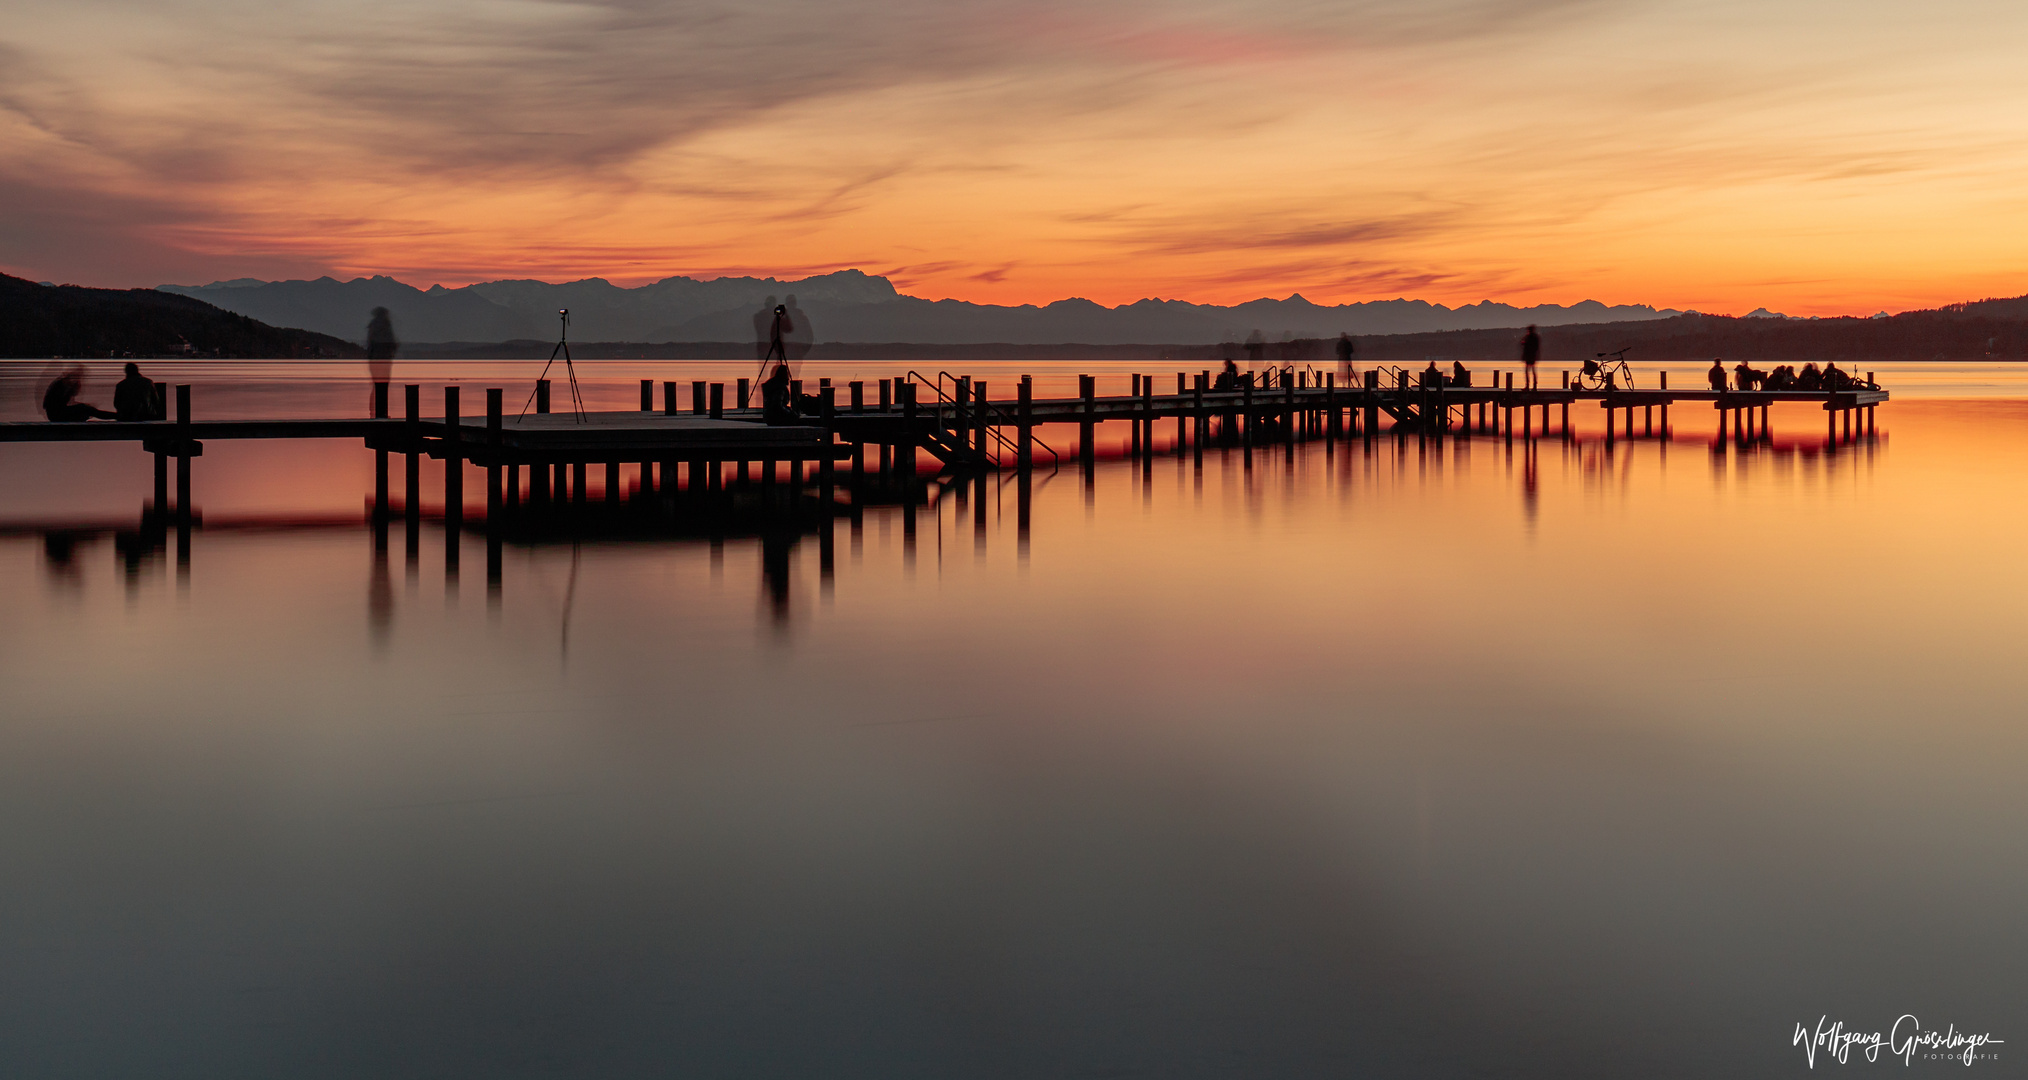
<point>1784,377</point>
<point>135,398</point>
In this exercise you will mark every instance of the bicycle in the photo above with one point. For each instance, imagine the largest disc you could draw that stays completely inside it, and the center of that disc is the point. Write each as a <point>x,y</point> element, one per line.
<point>1608,372</point>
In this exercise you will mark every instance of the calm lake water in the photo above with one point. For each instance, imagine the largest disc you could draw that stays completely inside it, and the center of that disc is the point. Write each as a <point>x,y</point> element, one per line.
<point>1423,759</point>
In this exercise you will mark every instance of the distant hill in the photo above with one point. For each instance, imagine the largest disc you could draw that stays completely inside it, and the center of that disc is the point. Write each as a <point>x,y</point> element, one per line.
<point>70,321</point>
<point>846,307</point>
<point>1981,330</point>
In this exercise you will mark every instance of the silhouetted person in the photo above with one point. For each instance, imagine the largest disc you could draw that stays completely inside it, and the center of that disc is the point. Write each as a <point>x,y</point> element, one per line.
<point>137,397</point>
<point>380,347</point>
<point>1432,376</point>
<point>796,333</point>
<point>777,403</point>
<point>1717,374</point>
<point>1531,352</point>
<point>1345,358</point>
<point>763,336</point>
<point>60,403</point>
<point>1835,379</point>
<point>1742,376</point>
<point>1228,379</point>
<point>1460,375</point>
<point>1255,346</point>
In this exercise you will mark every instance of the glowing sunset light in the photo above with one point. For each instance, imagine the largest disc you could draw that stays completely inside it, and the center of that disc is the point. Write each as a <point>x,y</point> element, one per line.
<point>1812,159</point>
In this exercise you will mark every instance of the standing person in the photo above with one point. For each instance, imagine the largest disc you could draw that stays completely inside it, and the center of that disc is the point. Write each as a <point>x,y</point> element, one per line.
<point>1345,358</point>
<point>380,347</point>
<point>1531,351</point>
<point>137,397</point>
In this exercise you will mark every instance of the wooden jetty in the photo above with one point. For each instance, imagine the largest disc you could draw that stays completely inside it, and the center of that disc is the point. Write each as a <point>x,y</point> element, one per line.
<point>952,418</point>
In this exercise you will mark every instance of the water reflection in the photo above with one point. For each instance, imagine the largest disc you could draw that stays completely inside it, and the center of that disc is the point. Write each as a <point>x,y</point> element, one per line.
<point>1410,757</point>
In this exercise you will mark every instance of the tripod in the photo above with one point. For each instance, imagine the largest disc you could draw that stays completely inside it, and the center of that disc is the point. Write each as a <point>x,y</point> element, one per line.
<point>569,369</point>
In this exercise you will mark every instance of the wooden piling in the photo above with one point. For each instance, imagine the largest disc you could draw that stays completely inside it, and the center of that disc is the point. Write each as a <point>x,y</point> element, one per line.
<point>412,429</point>
<point>668,398</point>
<point>858,392</point>
<point>454,476</point>
<point>698,406</point>
<point>1024,416</point>
<point>718,401</point>
<point>1087,391</point>
<point>542,395</point>
<point>495,404</point>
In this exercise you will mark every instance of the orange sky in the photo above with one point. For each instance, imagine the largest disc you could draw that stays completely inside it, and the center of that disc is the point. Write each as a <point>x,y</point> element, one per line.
<point>1813,158</point>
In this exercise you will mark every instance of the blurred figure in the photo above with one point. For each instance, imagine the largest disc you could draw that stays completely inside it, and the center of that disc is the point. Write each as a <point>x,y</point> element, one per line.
<point>1810,378</point>
<point>1531,351</point>
<point>764,333</point>
<point>60,403</point>
<point>1432,376</point>
<point>380,347</point>
<point>138,397</point>
<point>1256,345</point>
<point>1717,374</point>
<point>1345,351</point>
<point>797,337</point>
<point>1743,376</point>
<point>1228,379</point>
<point>1460,374</point>
<point>777,402</point>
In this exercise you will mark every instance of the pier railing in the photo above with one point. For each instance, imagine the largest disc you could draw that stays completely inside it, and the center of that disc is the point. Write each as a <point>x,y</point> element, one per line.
<point>1007,447</point>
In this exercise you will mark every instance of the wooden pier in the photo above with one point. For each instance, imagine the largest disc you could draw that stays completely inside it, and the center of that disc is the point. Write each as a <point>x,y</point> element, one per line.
<point>951,418</point>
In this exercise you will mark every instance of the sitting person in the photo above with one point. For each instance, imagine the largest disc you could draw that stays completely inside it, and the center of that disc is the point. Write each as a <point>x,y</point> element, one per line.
<point>1781,378</point>
<point>1228,379</point>
<point>1460,375</point>
<point>60,403</point>
<point>1432,376</point>
<point>1743,376</point>
<point>778,405</point>
<point>1717,375</point>
<point>1810,378</point>
<point>1835,379</point>
<point>137,397</point>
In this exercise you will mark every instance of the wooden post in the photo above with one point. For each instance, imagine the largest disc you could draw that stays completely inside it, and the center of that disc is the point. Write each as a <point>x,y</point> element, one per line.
<point>379,474</point>
<point>1024,415</point>
<point>612,483</point>
<point>578,476</point>
<point>904,457</point>
<point>1288,409</point>
<point>886,395</point>
<point>742,388</point>
<point>718,401</point>
<point>454,478</point>
<point>1134,439</point>
<point>858,391</point>
<point>1665,406</point>
<point>1330,406</point>
<point>495,436</point>
<point>1086,391</point>
<point>827,468</point>
<point>1246,413</point>
<point>1372,404</point>
<point>668,398</point>
<point>183,459</point>
<point>412,429</point>
<point>697,404</point>
<point>979,419</point>
<point>647,395</point>
<point>542,395</point>
<point>1197,388</point>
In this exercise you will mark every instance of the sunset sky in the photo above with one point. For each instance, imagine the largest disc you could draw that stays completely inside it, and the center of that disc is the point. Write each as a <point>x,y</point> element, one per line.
<point>1813,157</point>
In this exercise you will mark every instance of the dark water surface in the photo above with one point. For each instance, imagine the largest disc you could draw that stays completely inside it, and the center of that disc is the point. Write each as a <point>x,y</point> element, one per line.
<point>1446,758</point>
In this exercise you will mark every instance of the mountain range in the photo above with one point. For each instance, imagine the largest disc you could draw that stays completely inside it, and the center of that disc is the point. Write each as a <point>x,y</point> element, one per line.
<point>846,306</point>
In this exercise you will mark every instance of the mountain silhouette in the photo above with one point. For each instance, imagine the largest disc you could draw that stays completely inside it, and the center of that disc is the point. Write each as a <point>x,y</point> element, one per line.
<point>71,321</point>
<point>846,306</point>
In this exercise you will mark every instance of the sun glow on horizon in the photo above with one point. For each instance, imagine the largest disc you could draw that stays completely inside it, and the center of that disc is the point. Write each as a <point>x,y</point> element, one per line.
<point>1720,157</point>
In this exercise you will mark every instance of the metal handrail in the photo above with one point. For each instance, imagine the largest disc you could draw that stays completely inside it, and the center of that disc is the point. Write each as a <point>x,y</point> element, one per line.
<point>1007,445</point>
